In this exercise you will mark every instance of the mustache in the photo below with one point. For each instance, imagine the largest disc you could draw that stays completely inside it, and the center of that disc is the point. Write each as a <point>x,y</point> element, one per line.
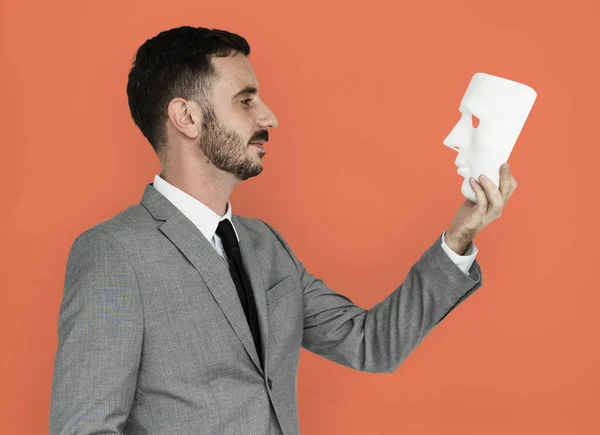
<point>261,135</point>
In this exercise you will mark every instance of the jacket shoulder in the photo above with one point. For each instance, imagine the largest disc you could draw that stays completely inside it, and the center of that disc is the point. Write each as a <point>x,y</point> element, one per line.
<point>125,224</point>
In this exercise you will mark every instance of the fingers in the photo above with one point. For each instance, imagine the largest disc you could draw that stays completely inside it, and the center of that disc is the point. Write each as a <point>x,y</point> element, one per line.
<point>480,197</point>
<point>508,184</point>
<point>491,199</point>
<point>505,184</point>
<point>495,199</point>
<point>513,185</point>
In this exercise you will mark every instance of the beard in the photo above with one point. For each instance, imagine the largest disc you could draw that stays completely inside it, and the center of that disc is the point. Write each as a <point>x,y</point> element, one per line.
<point>226,149</point>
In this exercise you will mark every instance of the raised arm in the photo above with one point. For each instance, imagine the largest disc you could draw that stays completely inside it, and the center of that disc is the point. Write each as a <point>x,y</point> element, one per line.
<point>379,339</point>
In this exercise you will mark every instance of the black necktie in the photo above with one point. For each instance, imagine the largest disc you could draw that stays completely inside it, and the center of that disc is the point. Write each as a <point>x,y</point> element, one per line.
<point>240,278</point>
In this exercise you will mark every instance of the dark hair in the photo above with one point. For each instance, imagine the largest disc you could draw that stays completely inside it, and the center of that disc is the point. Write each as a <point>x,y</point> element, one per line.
<point>175,63</point>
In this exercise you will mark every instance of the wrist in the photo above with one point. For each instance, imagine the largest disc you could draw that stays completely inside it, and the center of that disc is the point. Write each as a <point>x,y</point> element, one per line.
<point>457,243</point>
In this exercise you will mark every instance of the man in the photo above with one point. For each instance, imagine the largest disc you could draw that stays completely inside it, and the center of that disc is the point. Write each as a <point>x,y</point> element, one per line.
<point>180,317</point>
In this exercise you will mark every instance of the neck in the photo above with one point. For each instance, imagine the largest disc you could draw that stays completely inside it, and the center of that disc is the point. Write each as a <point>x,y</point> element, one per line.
<point>212,190</point>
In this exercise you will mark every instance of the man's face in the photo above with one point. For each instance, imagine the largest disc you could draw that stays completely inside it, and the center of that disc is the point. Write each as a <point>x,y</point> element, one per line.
<point>236,118</point>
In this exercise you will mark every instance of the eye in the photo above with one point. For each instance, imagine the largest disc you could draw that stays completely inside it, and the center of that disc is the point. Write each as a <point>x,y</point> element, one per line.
<point>244,101</point>
<point>474,121</point>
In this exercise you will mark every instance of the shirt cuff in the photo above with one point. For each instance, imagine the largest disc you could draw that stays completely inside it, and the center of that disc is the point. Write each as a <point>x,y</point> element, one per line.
<point>464,262</point>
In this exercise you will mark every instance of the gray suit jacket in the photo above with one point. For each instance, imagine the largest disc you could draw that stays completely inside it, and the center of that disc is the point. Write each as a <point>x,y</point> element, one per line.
<point>152,338</point>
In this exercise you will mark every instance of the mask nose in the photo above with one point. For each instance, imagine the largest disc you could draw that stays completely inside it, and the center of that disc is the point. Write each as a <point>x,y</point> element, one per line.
<point>458,137</point>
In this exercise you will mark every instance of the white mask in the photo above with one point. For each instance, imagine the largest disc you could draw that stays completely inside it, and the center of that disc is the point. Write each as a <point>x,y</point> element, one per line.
<point>502,106</point>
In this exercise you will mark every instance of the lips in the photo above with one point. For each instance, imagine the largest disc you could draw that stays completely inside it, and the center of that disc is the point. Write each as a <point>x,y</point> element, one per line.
<point>463,170</point>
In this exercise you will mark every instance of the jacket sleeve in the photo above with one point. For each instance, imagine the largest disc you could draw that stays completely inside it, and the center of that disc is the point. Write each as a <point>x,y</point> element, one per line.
<point>100,330</point>
<point>379,339</point>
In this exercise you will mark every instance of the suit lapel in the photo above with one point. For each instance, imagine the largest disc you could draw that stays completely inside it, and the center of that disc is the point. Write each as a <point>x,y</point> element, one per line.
<point>249,248</point>
<point>213,269</point>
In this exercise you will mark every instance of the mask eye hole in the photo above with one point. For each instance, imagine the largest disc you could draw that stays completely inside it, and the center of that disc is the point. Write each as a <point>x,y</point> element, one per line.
<point>474,121</point>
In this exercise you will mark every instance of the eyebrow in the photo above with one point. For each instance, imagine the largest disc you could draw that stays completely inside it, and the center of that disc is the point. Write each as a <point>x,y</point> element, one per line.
<point>246,90</point>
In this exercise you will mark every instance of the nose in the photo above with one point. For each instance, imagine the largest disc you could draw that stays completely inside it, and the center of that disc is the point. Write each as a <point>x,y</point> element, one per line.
<point>268,118</point>
<point>458,137</point>
<point>451,140</point>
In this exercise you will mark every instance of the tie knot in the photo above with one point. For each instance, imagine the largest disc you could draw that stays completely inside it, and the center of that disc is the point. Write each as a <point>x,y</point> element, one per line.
<point>227,234</point>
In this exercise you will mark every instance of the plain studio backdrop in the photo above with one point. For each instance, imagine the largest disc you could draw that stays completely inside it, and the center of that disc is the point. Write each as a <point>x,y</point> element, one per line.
<point>357,180</point>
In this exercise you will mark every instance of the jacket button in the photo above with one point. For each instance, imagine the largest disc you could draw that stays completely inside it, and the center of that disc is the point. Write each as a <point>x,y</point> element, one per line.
<point>270,384</point>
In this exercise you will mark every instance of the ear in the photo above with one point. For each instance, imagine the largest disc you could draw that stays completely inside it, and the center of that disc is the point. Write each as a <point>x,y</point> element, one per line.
<point>185,116</point>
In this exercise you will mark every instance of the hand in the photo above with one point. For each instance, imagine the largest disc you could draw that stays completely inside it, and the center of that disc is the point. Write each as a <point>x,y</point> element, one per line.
<point>474,217</point>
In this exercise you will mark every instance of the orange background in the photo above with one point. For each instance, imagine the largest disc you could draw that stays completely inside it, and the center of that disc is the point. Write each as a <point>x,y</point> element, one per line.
<point>357,180</point>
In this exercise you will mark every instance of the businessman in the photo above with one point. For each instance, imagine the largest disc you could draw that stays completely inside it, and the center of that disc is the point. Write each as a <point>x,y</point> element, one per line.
<point>179,316</point>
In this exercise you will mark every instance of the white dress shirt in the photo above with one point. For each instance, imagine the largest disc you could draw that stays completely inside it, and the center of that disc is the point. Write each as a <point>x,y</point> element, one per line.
<point>207,221</point>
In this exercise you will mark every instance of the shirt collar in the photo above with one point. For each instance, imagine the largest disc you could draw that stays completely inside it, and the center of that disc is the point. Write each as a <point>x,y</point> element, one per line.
<point>205,219</point>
